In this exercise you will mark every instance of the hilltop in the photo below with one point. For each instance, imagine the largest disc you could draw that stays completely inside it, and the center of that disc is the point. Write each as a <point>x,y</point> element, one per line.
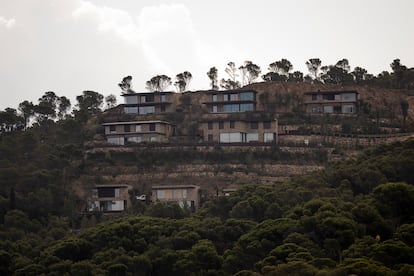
<point>378,98</point>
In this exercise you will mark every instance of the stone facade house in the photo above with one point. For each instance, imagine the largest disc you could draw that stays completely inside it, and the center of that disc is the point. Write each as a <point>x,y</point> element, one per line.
<point>108,198</point>
<point>328,102</point>
<point>122,133</point>
<point>183,195</point>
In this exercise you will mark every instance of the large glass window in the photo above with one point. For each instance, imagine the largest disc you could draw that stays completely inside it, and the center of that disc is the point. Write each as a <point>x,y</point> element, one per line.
<point>329,97</point>
<point>252,137</point>
<point>146,110</point>
<point>231,137</point>
<point>133,99</point>
<point>328,109</point>
<point>215,109</point>
<point>227,108</point>
<point>349,97</point>
<point>160,194</point>
<point>348,109</point>
<point>268,137</point>
<point>235,108</point>
<point>150,98</point>
<point>134,139</point>
<point>234,97</point>
<point>131,110</point>
<point>106,192</point>
<point>214,98</point>
<point>116,140</point>
<point>246,107</point>
<point>238,107</point>
<point>247,96</point>
<point>337,109</point>
<point>163,98</point>
<point>138,128</point>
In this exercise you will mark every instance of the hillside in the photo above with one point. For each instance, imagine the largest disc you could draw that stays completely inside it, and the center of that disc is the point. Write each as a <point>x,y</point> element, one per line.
<point>375,102</point>
<point>283,194</point>
<point>353,217</point>
<point>376,96</point>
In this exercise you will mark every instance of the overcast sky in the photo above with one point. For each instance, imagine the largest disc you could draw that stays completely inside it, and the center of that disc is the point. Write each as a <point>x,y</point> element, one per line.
<point>68,46</point>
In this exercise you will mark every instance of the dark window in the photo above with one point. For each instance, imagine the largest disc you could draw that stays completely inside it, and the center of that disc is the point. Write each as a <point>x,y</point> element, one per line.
<point>247,96</point>
<point>210,137</point>
<point>232,124</point>
<point>221,125</point>
<point>106,192</point>
<point>162,108</point>
<point>234,97</point>
<point>127,128</point>
<point>150,98</point>
<point>254,125</point>
<point>246,107</point>
<point>266,125</point>
<point>337,109</point>
<point>112,128</point>
<point>314,97</point>
<point>329,97</point>
<point>210,125</point>
<point>231,108</point>
<point>152,127</point>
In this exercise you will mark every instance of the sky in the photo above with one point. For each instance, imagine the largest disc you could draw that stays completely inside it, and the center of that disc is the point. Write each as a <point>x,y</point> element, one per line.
<point>69,46</point>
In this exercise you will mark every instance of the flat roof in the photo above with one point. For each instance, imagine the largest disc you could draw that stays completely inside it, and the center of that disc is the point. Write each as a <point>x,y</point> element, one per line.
<point>111,186</point>
<point>332,92</point>
<point>148,93</point>
<point>230,91</point>
<point>136,123</point>
<point>157,187</point>
<point>206,120</point>
<point>230,190</point>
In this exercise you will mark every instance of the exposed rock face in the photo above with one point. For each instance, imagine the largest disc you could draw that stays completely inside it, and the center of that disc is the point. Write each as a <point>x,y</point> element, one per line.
<point>210,177</point>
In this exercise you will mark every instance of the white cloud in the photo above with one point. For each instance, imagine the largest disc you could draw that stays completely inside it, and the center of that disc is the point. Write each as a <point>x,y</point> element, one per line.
<point>8,23</point>
<point>165,19</point>
<point>167,36</point>
<point>108,19</point>
<point>164,34</point>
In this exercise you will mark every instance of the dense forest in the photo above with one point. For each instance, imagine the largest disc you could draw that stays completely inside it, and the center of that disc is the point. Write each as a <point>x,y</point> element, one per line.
<point>354,217</point>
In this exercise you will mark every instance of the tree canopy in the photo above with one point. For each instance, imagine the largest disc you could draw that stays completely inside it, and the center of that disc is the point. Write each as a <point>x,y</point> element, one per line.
<point>158,83</point>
